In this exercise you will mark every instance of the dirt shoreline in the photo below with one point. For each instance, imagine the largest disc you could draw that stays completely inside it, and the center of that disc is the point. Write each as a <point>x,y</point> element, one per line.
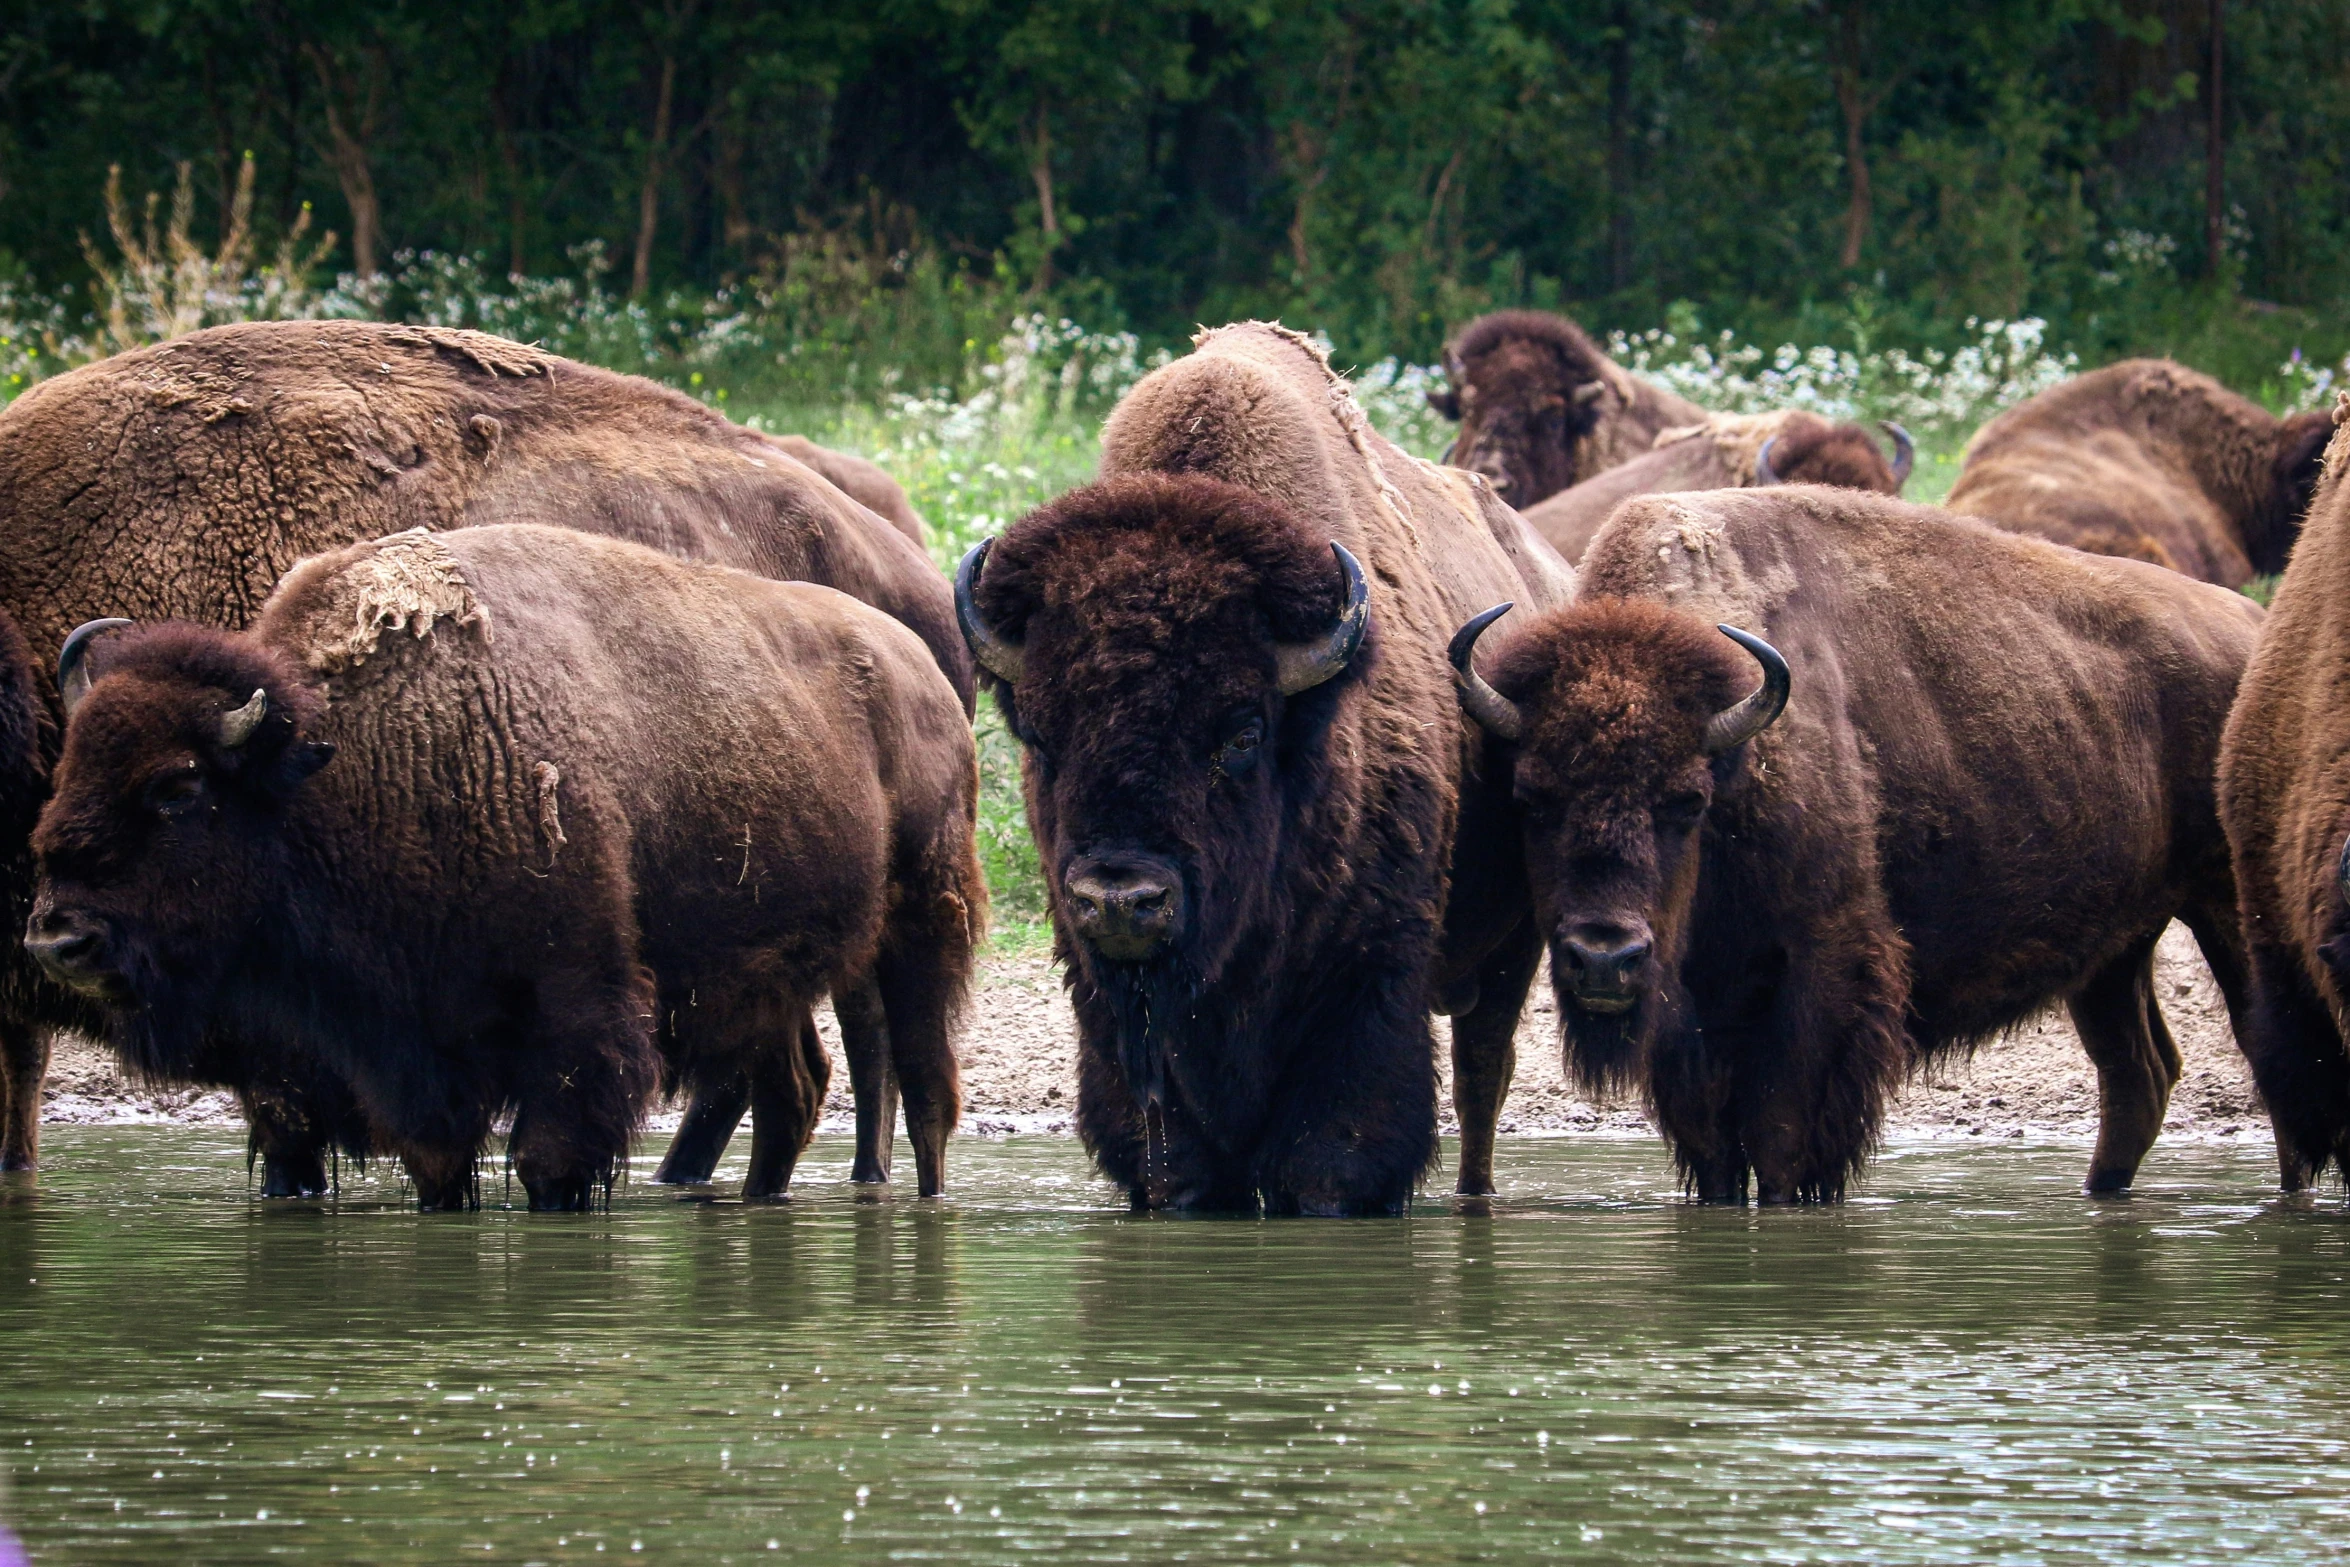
<point>1019,1074</point>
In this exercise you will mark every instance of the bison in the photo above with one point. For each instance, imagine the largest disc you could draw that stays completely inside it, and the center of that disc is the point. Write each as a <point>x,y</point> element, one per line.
<point>2284,788</point>
<point>1541,408</point>
<point>181,481</point>
<point>1973,777</point>
<point>1251,791</point>
<point>1728,451</point>
<point>494,819</point>
<point>2149,460</point>
<point>861,481</point>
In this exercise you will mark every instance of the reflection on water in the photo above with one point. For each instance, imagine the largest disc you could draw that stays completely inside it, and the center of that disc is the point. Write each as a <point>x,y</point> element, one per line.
<point>1968,1363</point>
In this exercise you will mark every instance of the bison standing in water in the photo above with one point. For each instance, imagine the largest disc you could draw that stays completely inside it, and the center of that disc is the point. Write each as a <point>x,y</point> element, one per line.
<point>2151,461</point>
<point>2285,792</point>
<point>1251,789</point>
<point>1727,452</point>
<point>181,481</point>
<point>1542,408</point>
<point>480,818</point>
<point>1990,789</point>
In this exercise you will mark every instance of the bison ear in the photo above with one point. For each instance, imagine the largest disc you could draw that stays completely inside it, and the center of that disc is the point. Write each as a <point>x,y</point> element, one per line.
<point>1445,401</point>
<point>302,759</point>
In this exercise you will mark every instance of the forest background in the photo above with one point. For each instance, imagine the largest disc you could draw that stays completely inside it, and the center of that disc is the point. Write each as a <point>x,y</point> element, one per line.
<point>949,232</point>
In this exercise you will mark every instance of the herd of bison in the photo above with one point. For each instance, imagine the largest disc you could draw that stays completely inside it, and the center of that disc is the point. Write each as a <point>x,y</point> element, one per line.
<point>445,736</point>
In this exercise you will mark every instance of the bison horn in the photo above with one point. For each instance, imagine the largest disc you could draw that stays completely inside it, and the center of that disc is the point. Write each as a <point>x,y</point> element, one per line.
<point>1301,666</point>
<point>1480,701</point>
<point>1905,452</point>
<point>73,681</point>
<point>237,725</point>
<point>2342,868</point>
<point>1762,463</point>
<point>1752,714</point>
<point>999,655</point>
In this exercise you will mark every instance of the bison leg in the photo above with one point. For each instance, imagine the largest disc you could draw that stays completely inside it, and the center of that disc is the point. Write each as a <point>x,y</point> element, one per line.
<point>24,1061</point>
<point>592,1066</point>
<point>283,1137</point>
<point>711,1115</point>
<point>2300,1067</point>
<point>2137,1063</point>
<point>1693,1090</point>
<point>1484,1055</point>
<point>1812,1100</point>
<point>787,1097</point>
<point>864,1038</point>
<point>1358,1124</point>
<point>918,1005</point>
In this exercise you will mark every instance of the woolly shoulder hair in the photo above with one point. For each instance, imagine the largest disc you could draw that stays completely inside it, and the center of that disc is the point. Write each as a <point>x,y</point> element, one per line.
<point>1610,636</point>
<point>1195,536</point>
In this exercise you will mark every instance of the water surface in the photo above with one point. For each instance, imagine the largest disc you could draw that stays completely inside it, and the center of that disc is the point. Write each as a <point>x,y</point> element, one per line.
<point>1970,1362</point>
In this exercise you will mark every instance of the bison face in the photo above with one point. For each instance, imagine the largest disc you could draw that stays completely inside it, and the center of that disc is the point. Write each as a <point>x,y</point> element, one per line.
<point>1170,652</point>
<point>1523,416</point>
<point>1628,724</point>
<point>163,844</point>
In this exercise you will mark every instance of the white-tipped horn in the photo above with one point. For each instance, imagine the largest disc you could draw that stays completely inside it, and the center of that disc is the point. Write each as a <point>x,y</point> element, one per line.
<point>237,725</point>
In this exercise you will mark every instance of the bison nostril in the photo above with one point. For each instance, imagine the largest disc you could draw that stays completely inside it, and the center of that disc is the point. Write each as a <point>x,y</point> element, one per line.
<point>1125,910</point>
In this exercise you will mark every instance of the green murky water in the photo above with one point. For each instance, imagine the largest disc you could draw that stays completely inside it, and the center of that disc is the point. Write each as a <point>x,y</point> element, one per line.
<point>1971,1363</point>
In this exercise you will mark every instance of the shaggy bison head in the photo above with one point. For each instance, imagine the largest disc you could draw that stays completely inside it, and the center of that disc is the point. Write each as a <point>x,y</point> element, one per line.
<point>161,848</point>
<point>1527,389</point>
<point>1810,450</point>
<point>1629,720</point>
<point>1169,651</point>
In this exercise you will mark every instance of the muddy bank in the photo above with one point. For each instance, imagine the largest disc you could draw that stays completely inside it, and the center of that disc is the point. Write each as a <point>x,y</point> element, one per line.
<point>1019,1072</point>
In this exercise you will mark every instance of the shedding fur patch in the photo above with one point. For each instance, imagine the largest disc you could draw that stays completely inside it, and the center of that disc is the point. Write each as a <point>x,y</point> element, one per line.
<point>408,583</point>
<point>1738,438</point>
<point>2337,453</point>
<point>550,782</point>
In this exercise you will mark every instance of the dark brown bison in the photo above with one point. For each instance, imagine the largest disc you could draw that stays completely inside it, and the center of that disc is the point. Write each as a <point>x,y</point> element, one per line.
<point>2284,786</point>
<point>1727,452</point>
<point>862,481</point>
<point>493,819</point>
<point>27,740</point>
<point>181,481</point>
<point>1542,408</point>
<point>1991,789</point>
<point>1251,790</point>
<point>2149,460</point>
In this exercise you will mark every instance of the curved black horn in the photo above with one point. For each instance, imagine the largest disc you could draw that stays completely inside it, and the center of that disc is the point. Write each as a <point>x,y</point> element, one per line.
<point>2342,868</point>
<point>1762,462</point>
<point>1758,710</point>
<point>1301,666</point>
<point>1497,713</point>
<point>1905,453</point>
<point>999,655</point>
<point>73,681</point>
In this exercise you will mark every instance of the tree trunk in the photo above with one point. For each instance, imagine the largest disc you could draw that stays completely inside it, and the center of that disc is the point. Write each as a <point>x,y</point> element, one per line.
<point>1040,169</point>
<point>648,207</point>
<point>349,131</point>
<point>1856,105</point>
<point>510,155</point>
<point>2214,154</point>
<point>1619,145</point>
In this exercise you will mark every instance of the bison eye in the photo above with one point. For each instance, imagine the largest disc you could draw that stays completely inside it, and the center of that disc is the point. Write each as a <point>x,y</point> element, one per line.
<point>1680,810</point>
<point>1241,748</point>
<point>176,793</point>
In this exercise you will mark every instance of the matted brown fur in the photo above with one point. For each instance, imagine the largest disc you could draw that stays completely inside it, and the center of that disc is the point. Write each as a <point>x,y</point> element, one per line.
<point>1542,408</point>
<point>2284,784</point>
<point>181,481</point>
<point>2148,460</point>
<point>1285,1032</point>
<point>1719,454</point>
<point>581,799</point>
<point>1992,789</point>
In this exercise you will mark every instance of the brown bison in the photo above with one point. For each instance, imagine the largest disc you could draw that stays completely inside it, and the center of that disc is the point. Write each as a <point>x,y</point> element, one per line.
<point>1541,408</point>
<point>2150,461</point>
<point>493,819</point>
<point>1990,789</point>
<point>861,481</point>
<point>1251,790</point>
<point>181,481</point>
<point>2284,787</point>
<point>1727,452</point>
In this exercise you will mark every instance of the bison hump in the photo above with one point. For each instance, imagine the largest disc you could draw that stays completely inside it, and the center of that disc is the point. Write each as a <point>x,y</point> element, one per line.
<point>406,582</point>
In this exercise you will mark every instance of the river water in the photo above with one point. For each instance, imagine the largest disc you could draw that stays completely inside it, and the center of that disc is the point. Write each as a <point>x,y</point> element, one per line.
<point>1968,1362</point>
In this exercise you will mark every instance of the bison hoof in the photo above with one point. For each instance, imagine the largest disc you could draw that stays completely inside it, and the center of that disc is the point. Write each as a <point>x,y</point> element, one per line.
<point>12,1162</point>
<point>281,1179</point>
<point>2109,1183</point>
